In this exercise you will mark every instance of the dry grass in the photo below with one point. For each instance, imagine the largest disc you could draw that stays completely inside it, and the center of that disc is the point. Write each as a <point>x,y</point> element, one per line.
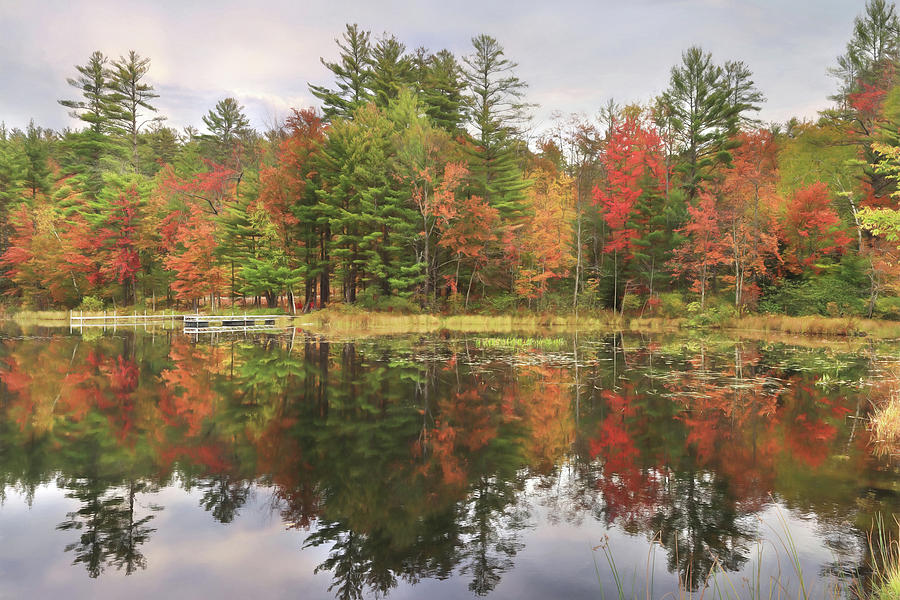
<point>37,317</point>
<point>885,425</point>
<point>342,320</point>
<point>816,325</point>
<point>651,324</point>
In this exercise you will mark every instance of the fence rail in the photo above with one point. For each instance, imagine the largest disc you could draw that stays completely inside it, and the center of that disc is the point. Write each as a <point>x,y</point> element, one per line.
<point>193,323</point>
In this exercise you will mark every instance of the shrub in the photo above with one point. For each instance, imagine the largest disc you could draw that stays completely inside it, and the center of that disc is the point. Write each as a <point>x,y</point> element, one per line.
<point>90,304</point>
<point>827,295</point>
<point>501,303</point>
<point>671,304</point>
<point>632,303</point>
<point>887,308</point>
<point>717,313</point>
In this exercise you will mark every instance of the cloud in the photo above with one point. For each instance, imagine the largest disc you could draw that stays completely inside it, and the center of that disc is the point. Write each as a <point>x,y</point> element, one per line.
<point>574,55</point>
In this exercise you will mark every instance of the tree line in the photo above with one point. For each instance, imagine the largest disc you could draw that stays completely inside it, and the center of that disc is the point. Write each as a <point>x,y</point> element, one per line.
<point>419,184</point>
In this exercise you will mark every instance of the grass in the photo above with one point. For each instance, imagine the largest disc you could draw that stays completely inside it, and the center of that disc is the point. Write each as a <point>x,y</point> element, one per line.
<point>885,563</point>
<point>553,344</point>
<point>882,584</point>
<point>346,320</point>
<point>816,325</point>
<point>890,588</point>
<point>38,317</point>
<point>885,425</point>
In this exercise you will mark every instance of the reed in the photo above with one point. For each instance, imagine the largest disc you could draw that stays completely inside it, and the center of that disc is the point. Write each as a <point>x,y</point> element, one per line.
<point>816,325</point>
<point>554,344</point>
<point>885,425</point>
<point>790,583</point>
<point>343,320</point>
<point>37,317</point>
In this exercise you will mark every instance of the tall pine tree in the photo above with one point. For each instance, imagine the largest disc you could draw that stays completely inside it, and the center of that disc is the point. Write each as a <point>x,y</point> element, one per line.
<point>131,96</point>
<point>496,111</point>
<point>352,73</point>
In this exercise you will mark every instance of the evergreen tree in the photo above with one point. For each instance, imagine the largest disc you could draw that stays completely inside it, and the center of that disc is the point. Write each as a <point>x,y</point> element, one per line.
<point>227,125</point>
<point>353,75</point>
<point>872,52</point>
<point>239,240</point>
<point>37,170</point>
<point>391,70</point>
<point>703,116</point>
<point>495,110</point>
<point>131,95</point>
<point>743,94</point>
<point>12,168</point>
<point>440,88</point>
<point>159,146</point>
<point>96,108</point>
<point>368,218</point>
<point>97,103</point>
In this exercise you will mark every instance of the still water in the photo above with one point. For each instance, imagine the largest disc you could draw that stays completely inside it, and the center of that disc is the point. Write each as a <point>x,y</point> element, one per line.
<point>153,464</point>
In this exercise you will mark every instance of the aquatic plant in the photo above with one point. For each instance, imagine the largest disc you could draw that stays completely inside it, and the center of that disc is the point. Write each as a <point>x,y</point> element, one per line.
<point>520,343</point>
<point>882,583</point>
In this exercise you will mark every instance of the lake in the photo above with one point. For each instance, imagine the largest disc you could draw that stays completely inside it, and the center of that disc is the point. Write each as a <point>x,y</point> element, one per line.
<point>155,464</point>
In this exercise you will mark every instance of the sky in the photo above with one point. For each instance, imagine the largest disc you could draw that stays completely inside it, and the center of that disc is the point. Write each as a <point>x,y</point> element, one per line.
<point>574,55</point>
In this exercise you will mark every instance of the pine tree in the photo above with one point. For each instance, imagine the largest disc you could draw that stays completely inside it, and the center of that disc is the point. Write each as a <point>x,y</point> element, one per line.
<point>876,40</point>
<point>391,70</point>
<point>97,103</point>
<point>368,218</point>
<point>227,125</point>
<point>12,169</point>
<point>131,95</point>
<point>96,108</point>
<point>239,240</point>
<point>742,92</point>
<point>440,87</point>
<point>37,170</point>
<point>703,115</point>
<point>495,111</point>
<point>353,75</point>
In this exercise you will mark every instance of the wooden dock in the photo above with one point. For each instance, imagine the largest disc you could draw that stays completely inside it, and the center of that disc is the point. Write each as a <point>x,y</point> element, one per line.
<point>193,323</point>
<point>227,323</point>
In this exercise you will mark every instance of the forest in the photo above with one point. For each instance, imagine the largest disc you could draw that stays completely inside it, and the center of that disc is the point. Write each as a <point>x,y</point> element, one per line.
<point>419,184</point>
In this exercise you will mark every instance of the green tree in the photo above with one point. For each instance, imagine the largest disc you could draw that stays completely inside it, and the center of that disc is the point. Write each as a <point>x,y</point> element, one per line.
<point>742,92</point>
<point>496,111</point>
<point>873,48</point>
<point>95,109</point>
<point>97,103</point>
<point>131,95</point>
<point>704,103</point>
<point>440,87</point>
<point>37,170</point>
<point>353,75</point>
<point>227,125</point>
<point>369,218</point>
<point>391,70</point>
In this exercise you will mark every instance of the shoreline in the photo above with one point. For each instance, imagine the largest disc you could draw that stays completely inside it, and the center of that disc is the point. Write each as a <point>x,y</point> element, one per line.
<point>343,320</point>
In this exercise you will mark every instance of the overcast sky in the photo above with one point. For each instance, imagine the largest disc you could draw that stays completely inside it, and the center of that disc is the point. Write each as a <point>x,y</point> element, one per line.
<point>574,55</point>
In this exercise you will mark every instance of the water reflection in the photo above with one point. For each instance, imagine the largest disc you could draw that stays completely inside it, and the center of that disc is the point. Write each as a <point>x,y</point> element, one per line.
<point>412,459</point>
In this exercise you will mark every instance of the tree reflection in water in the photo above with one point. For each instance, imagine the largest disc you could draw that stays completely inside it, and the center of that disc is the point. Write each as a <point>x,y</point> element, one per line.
<point>415,458</point>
